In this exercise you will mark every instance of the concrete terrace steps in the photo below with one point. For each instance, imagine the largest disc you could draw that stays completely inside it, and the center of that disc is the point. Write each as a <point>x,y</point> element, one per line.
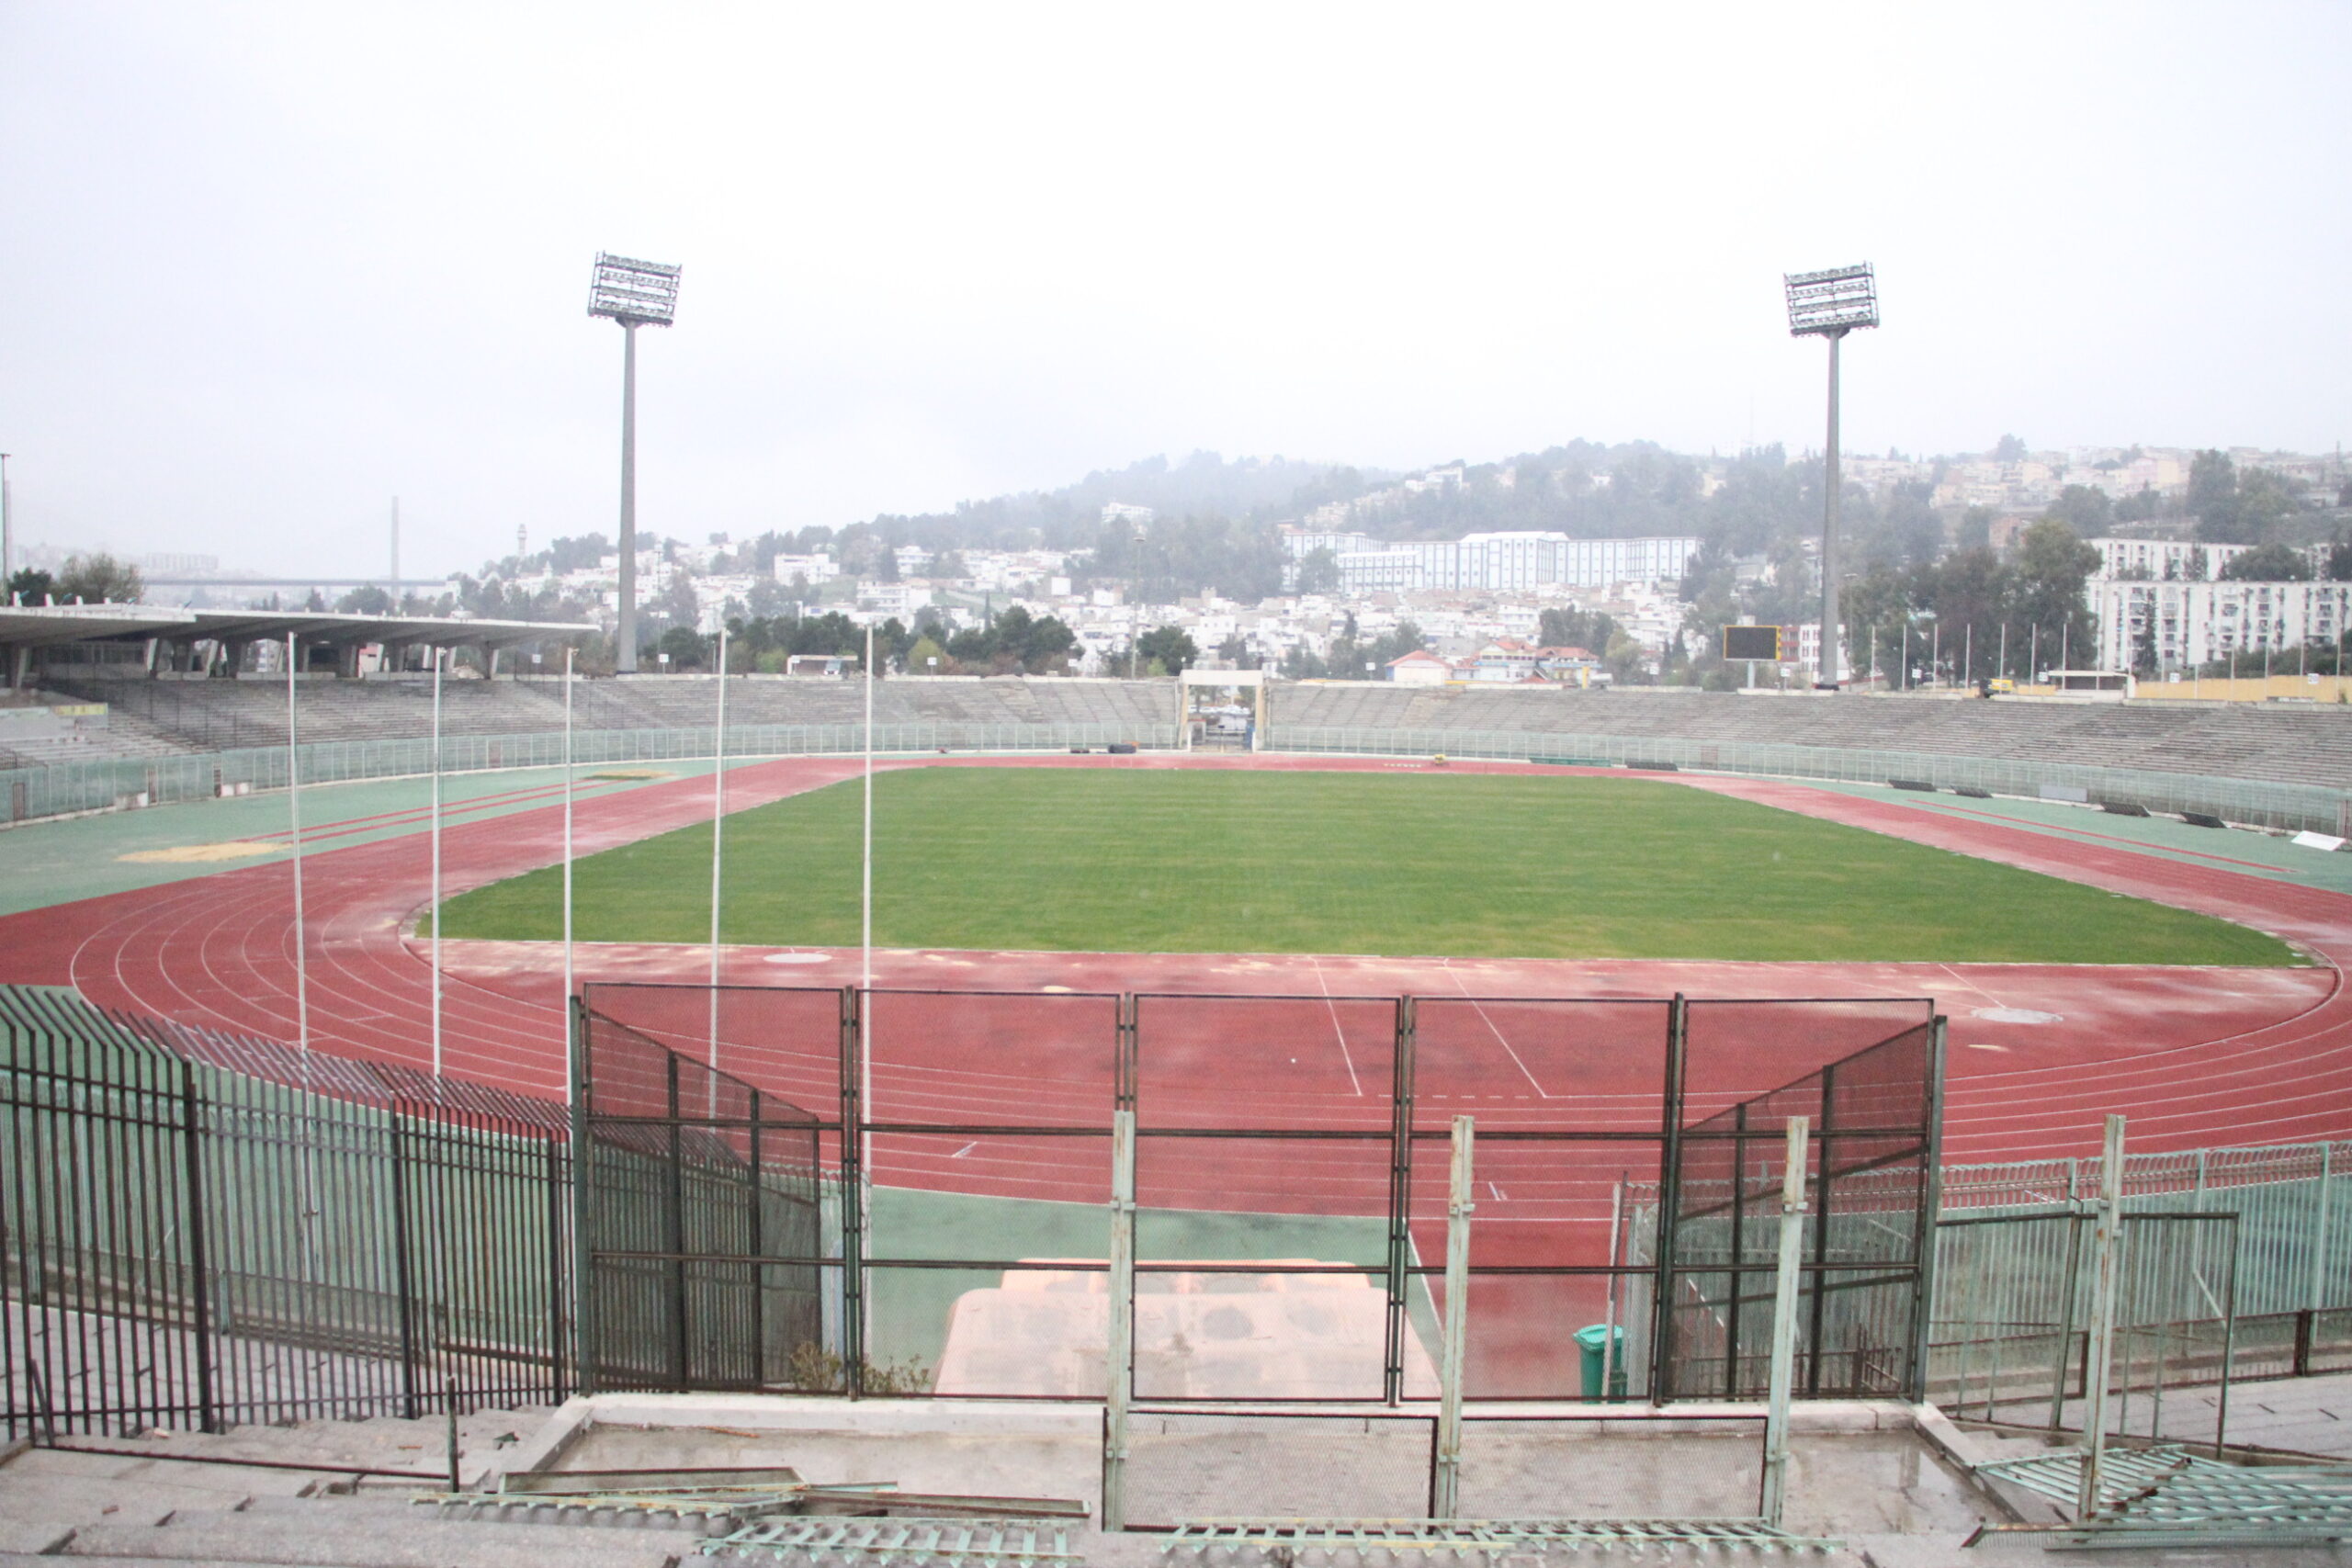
<point>333,1534</point>
<point>2305,746</point>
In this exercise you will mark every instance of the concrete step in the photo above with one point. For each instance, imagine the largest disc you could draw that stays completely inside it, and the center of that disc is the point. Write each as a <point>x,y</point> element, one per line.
<point>324,1538</point>
<point>399,1512</point>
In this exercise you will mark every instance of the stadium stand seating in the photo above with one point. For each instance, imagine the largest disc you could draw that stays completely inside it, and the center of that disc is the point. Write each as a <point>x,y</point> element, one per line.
<point>2289,744</point>
<point>223,714</point>
<point>118,735</point>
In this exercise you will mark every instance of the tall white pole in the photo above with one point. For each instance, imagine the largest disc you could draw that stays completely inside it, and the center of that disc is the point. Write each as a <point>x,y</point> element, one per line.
<point>567,863</point>
<point>865,991</point>
<point>2107,1278</point>
<point>717,827</point>
<point>865,892</point>
<point>440,658</point>
<point>294,821</point>
<point>1780,1374</point>
<point>1454,1332</point>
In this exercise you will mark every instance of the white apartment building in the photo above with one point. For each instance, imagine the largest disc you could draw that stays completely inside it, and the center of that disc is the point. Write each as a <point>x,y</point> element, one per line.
<point>2162,560</point>
<point>1497,562</point>
<point>2200,622</point>
<point>816,568</point>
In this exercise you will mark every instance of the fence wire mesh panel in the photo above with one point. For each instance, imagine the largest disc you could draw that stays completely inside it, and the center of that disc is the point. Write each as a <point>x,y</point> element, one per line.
<point>1291,1200</point>
<point>203,1231</point>
<point>701,1223</point>
<point>250,760</point>
<point>1871,1184</point>
<point>2011,1338</point>
<point>1268,1233</point>
<point>99,784</point>
<point>1553,1166</point>
<point>2252,801</point>
<point>1199,1464</point>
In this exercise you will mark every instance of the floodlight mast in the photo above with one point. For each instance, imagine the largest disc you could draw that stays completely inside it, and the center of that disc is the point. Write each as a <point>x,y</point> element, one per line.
<point>636,294</point>
<point>1830,303</point>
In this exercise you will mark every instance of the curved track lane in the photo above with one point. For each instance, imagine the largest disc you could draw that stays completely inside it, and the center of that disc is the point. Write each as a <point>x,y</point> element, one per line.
<point>2195,1056</point>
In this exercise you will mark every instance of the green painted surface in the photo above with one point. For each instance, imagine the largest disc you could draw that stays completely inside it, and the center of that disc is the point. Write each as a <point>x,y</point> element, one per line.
<point>911,1307</point>
<point>1417,863</point>
<point>43,863</point>
<point>2255,852</point>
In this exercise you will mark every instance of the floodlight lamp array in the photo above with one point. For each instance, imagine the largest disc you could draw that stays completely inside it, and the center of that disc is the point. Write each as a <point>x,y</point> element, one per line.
<point>640,292</point>
<point>1834,301</point>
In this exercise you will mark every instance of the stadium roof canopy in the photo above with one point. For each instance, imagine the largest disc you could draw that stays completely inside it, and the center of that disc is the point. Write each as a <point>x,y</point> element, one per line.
<point>49,625</point>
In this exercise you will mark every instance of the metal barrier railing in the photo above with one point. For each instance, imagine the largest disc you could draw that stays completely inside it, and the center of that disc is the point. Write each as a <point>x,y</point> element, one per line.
<point>2252,801</point>
<point>62,788</point>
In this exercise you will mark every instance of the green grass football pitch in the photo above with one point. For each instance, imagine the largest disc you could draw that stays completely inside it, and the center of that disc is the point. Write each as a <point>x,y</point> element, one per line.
<point>1186,861</point>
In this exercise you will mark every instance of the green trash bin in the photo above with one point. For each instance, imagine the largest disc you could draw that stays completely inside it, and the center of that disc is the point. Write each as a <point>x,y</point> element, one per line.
<point>1602,1344</point>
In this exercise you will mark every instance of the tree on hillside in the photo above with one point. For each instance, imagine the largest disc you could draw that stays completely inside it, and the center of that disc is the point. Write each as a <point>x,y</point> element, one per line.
<point>2213,498</point>
<point>2087,510</point>
<point>30,586</point>
<point>688,649</point>
<point>100,578</point>
<point>1588,629</point>
<point>368,600</point>
<point>2008,449</point>
<point>1170,647</point>
<point>2268,563</point>
<point>2051,566</point>
<point>1318,572</point>
<point>2266,499</point>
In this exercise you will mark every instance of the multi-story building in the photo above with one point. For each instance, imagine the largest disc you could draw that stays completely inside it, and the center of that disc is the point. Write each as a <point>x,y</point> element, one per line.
<point>2197,623</point>
<point>1500,562</point>
<point>2163,559</point>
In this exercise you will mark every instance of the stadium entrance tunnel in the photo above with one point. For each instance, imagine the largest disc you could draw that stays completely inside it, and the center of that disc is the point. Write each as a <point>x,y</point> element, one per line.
<point>1191,1201</point>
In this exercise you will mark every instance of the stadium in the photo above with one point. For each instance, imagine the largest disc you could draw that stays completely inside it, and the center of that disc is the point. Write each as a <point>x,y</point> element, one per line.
<point>1245,1054</point>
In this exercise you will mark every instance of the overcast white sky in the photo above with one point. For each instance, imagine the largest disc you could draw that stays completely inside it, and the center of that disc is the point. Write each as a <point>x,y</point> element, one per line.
<point>264,267</point>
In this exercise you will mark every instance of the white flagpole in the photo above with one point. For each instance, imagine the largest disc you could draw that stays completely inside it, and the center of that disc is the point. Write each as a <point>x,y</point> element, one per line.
<point>865,896</point>
<point>717,828</point>
<point>294,818</point>
<point>865,989</point>
<point>567,869</point>
<point>440,658</point>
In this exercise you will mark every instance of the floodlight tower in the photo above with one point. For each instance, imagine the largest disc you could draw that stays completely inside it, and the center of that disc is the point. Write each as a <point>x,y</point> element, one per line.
<point>635,294</point>
<point>1830,303</point>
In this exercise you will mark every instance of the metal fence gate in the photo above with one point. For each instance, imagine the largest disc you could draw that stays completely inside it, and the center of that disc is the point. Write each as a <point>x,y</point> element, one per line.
<point>2012,1322</point>
<point>1876,1117</point>
<point>202,1230</point>
<point>701,1240</point>
<point>911,1191</point>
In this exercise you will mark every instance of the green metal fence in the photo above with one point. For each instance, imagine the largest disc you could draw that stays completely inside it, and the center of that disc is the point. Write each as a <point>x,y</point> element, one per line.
<point>98,785</point>
<point>2251,801</point>
<point>2290,1307</point>
<point>199,1230</point>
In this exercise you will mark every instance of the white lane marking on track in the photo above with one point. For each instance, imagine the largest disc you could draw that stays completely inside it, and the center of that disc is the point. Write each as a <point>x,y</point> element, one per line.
<point>1355,1085</point>
<point>1455,977</point>
<point>1966,984</point>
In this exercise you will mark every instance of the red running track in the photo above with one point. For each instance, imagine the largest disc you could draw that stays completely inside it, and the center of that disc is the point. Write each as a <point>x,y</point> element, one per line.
<point>2196,1057</point>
